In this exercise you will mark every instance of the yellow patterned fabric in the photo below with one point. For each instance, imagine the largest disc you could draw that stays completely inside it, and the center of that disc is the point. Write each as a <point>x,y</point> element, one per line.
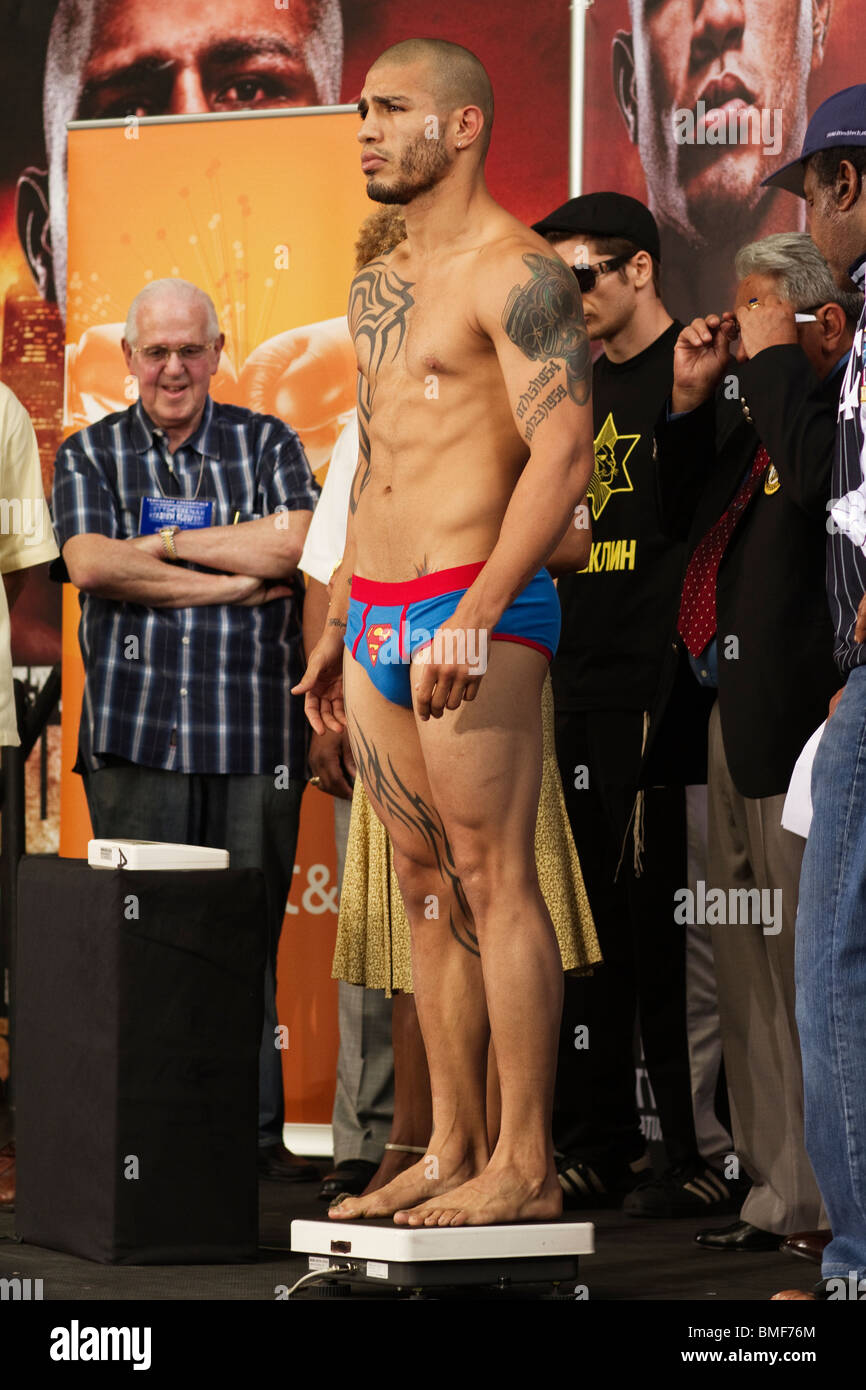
<point>373,946</point>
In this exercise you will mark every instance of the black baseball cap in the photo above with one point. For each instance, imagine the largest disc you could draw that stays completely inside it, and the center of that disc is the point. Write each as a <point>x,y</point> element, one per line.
<point>840,120</point>
<point>605,214</point>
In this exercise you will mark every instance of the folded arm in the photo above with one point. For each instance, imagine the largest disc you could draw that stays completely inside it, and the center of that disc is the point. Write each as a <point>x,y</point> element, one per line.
<point>268,548</point>
<point>126,573</point>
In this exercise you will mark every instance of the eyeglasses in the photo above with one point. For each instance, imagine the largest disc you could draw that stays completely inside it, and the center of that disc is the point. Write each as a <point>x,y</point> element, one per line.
<point>588,274</point>
<point>189,352</point>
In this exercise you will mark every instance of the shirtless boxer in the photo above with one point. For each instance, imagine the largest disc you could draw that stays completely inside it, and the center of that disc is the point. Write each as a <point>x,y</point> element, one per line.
<point>476,446</point>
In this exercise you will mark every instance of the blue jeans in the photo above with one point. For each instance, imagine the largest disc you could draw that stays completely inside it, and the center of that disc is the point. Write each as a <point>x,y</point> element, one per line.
<point>831,979</point>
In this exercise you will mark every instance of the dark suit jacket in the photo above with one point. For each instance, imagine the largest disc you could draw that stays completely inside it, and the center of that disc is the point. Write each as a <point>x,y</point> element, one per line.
<point>779,674</point>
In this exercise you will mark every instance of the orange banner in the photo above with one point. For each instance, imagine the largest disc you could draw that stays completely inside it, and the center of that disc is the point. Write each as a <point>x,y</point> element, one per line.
<point>261,211</point>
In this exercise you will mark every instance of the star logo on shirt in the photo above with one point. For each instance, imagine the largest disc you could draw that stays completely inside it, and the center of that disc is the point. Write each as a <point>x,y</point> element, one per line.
<point>612,451</point>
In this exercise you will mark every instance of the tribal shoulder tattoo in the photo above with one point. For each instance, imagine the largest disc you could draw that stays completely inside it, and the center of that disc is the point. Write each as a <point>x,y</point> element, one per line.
<point>379,303</point>
<point>544,318</point>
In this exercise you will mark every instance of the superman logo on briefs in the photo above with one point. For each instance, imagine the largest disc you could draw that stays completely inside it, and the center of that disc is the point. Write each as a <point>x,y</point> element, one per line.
<point>378,633</point>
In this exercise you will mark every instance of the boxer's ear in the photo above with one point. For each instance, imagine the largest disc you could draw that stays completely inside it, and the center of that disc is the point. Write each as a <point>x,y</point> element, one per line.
<point>622,64</point>
<point>34,229</point>
<point>820,21</point>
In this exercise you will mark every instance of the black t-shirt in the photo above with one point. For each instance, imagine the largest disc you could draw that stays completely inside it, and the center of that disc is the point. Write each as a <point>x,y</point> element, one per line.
<point>618,613</point>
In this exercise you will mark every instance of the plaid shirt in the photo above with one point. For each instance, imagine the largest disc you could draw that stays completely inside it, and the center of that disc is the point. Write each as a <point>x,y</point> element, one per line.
<point>201,689</point>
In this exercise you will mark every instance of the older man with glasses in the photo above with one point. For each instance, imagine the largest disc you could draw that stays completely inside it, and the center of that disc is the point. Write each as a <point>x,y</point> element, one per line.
<point>182,521</point>
<point>744,457</point>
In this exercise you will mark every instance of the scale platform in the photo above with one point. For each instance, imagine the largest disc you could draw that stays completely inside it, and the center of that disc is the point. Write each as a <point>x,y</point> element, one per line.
<point>422,1257</point>
<point>153,854</point>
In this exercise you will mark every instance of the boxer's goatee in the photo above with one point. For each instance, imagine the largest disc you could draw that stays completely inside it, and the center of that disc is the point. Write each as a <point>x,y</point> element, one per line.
<point>396,193</point>
<point>422,166</point>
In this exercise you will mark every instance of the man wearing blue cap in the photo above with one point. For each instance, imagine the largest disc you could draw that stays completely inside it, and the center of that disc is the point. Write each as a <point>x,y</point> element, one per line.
<point>831,923</point>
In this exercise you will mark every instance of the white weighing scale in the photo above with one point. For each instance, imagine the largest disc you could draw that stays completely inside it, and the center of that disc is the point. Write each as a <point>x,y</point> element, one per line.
<point>153,854</point>
<point>433,1257</point>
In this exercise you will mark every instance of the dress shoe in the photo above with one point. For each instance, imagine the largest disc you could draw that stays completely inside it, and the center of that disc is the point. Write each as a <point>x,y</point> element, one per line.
<point>279,1165</point>
<point>809,1245</point>
<point>352,1176</point>
<point>739,1236</point>
<point>7,1177</point>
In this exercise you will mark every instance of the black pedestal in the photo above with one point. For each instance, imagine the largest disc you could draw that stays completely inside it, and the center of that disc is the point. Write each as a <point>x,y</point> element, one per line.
<point>139,1008</point>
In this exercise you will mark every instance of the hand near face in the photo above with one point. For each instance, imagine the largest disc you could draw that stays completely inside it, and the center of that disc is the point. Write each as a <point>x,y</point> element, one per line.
<point>768,323</point>
<point>701,354</point>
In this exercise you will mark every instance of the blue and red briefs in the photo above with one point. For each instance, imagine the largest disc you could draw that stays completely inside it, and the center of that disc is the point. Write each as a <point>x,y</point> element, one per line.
<point>387,623</point>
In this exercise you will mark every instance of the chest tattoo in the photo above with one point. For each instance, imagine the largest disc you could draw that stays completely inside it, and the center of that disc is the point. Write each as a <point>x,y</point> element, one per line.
<point>379,305</point>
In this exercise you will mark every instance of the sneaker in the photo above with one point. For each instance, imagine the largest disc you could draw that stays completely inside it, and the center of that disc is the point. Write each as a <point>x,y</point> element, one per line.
<point>687,1190</point>
<point>598,1184</point>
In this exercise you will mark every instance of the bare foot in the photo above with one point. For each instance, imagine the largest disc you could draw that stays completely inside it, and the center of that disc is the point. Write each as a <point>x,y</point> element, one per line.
<point>794,1293</point>
<point>493,1198</point>
<point>393,1163</point>
<point>429,1177</point>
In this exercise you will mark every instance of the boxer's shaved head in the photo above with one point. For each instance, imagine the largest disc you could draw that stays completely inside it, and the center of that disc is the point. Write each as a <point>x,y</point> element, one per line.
<point>456,77</point>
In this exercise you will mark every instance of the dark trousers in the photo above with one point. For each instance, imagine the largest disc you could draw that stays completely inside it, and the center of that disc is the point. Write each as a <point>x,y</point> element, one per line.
<point>251,817</point>
<point>644,972</point>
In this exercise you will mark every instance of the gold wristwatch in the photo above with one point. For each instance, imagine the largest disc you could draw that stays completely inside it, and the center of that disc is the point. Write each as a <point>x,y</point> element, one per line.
<point>167,535</point>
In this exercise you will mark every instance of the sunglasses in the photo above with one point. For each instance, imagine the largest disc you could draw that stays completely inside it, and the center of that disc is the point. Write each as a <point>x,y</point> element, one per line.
<point>588,274</point>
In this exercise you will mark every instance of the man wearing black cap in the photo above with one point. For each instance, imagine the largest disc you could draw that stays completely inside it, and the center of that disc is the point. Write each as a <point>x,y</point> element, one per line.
<point>831,922</point>
<point>616,617</point>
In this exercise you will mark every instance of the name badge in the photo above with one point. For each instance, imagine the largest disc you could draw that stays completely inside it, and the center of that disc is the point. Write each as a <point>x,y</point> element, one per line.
<point>187,513</point>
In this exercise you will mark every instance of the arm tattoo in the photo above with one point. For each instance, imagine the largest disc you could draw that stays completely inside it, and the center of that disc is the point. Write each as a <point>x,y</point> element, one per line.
<point>336,622</point>
<point>396,803</point>
<point>544,318</point>
<point>379,303</point>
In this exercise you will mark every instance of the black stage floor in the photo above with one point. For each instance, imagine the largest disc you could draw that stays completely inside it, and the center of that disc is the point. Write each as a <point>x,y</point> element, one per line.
<point>634,1260</point>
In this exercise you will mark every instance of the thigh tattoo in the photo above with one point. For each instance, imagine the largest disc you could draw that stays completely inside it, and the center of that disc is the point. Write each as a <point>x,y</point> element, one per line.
<point>386,790</point>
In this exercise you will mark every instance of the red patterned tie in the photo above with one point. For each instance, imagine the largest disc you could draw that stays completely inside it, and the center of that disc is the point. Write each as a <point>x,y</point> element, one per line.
<point>697,619</point>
